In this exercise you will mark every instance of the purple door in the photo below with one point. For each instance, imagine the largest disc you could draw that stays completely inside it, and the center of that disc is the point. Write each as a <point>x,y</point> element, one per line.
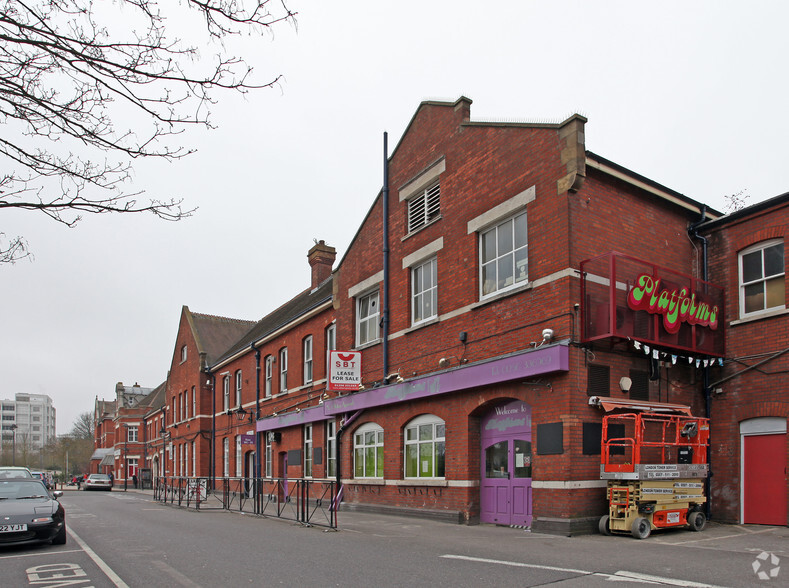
<point>505,482</point>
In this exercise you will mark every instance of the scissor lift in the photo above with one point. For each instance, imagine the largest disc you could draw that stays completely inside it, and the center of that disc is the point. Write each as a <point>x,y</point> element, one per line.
<point>656,466</point>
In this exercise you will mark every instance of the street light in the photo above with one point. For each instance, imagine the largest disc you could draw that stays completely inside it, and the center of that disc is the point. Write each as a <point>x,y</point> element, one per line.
<point>13,444</point>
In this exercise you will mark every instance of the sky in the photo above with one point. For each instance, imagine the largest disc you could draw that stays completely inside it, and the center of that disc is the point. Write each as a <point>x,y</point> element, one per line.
<point>688,94</point>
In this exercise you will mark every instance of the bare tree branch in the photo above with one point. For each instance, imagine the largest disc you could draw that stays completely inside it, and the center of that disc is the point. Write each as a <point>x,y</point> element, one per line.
<point>88,87</point>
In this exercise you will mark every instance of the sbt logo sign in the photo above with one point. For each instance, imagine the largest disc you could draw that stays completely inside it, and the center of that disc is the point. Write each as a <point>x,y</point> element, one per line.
<point>345,370</point>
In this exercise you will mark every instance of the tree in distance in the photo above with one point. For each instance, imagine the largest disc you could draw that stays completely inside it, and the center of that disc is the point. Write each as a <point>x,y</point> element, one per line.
<point>88,87</point>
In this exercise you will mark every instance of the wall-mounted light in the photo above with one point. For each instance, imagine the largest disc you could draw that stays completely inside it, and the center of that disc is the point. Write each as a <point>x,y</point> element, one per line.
<point>547,335</point>
<point>625,383</point>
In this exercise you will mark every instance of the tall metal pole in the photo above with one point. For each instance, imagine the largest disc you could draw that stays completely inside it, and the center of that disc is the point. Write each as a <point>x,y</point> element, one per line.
<point>13,445</point>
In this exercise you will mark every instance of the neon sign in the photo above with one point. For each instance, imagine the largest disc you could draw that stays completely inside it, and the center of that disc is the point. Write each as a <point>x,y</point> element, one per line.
<point>675,305</point>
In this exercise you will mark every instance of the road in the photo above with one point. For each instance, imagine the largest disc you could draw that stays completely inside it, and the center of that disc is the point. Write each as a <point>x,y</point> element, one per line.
<point>126,539</point>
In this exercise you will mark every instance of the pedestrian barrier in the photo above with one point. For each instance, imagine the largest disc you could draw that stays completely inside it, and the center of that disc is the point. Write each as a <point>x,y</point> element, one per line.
<point>309,502</point>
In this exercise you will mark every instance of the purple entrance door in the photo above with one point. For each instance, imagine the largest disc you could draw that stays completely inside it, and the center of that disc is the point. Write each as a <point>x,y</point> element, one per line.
<point>505,482</point>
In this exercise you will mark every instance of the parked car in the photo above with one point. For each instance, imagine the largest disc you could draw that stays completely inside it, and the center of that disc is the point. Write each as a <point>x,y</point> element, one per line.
<point>29,513</point>
<point>98,482</point>
<point>7,472</point>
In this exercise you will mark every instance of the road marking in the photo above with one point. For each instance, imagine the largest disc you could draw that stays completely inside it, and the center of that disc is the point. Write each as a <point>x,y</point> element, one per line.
<point>177,576</point>
<point>617,576</point>
<point>114,578</point>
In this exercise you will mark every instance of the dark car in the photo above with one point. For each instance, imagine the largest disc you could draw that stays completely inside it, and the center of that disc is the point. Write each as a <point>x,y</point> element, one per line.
<point>98,482</point>
<point>29,513</point>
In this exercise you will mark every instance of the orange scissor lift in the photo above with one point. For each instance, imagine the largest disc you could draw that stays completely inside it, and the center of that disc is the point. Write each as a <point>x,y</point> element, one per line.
<point>656,466</point>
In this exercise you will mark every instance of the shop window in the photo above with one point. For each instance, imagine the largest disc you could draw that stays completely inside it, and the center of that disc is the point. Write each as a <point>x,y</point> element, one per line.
<point>425,446</point>
<point>368,451</point>
<point>331,449</point>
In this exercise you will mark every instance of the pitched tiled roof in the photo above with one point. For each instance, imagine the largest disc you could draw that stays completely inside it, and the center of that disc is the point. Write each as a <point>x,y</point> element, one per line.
<point>156,399</point>
<point>295,308</point>
<point>214,334</point>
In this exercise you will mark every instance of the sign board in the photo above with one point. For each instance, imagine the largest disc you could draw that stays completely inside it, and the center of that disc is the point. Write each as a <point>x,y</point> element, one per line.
<point>247,439</point>
<point>345,370</point>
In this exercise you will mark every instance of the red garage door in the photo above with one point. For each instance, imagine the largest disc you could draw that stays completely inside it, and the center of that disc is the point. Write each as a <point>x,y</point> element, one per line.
<point>764,479</point>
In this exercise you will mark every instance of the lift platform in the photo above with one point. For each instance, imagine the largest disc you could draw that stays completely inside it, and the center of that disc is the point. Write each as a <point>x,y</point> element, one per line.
<point>656,467</point>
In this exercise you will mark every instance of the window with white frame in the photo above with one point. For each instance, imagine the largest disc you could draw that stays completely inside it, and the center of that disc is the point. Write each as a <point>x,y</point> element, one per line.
<point>367,318</point>
<point>239,381</point>
<point>504,259</point>
<point>268,457</point>
<point>183,353</point>
<point>131,434</point>
<point>331,449</point>
<point>308,451</point>
<point>424,207</point>
<point>331,337</point>
<point>186,459</point>
<point>186,404</point>
<point>762,278</point>
<point>226,457</point>
<point>307,346</point>
<point>368,451</point>
<point>269,363</point>
<point>239,456</point>
<point>424,447</point>
<point>424,291</point>
<point>194,460</point>
<point>181,402</point>
<point>226,393</point>
<point>283,369</point>
<point>181,460</point>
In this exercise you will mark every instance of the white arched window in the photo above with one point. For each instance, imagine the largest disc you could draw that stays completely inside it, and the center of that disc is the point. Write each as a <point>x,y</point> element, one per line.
<point>424,447</point>
<point>368,451</point>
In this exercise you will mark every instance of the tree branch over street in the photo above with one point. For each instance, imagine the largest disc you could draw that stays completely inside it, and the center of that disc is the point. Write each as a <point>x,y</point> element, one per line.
<point>88,87</point>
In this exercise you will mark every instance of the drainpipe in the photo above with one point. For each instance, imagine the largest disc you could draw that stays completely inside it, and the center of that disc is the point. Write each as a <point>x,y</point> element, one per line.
<point>257,411</point>
<point>338,438</point>
<point>693,232</point>
<point>385,318</point>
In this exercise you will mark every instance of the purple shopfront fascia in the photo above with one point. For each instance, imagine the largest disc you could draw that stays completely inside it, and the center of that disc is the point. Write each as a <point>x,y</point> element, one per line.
<point>534,362</point>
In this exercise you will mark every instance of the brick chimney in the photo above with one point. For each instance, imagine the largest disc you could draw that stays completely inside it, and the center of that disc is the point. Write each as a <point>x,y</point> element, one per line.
<point>321,258</point>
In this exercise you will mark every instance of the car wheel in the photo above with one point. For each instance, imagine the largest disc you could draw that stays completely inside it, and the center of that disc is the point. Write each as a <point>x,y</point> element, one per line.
<point>641,528</point>
<point>60,538</point>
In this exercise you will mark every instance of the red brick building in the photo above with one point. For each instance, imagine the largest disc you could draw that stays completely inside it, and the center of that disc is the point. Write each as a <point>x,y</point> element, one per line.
<point>478,359</point>
<point>506,287</point>
<point>749,398</point>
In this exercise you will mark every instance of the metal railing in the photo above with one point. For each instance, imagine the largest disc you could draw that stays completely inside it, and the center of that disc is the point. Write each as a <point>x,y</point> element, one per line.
<point>306,501</point>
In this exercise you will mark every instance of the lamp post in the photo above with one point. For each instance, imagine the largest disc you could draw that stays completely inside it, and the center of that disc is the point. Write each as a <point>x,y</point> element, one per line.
<point>13,444</point>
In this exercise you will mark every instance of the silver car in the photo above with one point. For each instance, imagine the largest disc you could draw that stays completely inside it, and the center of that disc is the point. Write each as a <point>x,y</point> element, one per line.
<point>98,482</point>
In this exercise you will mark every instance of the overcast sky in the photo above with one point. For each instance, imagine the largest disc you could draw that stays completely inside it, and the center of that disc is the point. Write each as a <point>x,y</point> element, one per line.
<point>689,94</point>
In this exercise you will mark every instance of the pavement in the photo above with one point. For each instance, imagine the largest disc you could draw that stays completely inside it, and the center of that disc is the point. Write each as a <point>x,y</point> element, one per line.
<point>716,535</point>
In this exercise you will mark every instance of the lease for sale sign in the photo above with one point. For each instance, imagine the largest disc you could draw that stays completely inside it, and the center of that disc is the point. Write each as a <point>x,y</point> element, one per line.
<point>345,370</point>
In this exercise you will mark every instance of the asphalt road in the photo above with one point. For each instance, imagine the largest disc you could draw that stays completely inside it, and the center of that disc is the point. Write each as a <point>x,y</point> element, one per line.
<point>126,539</point>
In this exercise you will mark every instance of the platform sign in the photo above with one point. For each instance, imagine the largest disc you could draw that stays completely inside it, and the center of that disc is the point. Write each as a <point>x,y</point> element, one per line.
<point>345,370</point>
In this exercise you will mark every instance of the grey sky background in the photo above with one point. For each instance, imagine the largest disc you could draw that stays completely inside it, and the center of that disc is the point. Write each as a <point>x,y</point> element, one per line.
<point>689,94</point>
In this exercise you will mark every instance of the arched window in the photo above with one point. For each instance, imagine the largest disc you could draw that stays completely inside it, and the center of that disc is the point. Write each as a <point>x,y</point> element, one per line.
<point>368,451</point>
<point>424,447</point>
